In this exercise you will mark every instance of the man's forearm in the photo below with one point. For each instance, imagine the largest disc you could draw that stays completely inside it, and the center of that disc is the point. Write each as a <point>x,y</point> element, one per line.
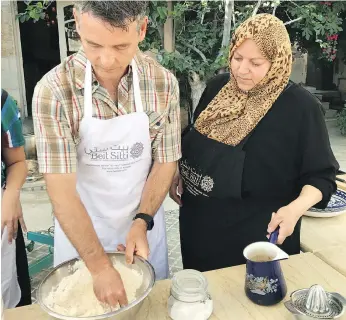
<point>76,223</point>
<point>78,227</point>
<point>157,186</point>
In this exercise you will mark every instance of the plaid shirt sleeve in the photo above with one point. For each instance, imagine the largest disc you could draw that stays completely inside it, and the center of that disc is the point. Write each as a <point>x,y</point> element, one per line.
<point>56,148</point>
<point>11,125</point>
<point>169,148</point>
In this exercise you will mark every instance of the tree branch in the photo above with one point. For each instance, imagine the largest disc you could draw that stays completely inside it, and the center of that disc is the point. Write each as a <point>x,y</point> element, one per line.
<point>274,9</point>
<point>257,7</point>
<point>227,25</point>
<point>233,14</point>
<point>196,50</point>
<point>292,21</point>
<point>293,3</point>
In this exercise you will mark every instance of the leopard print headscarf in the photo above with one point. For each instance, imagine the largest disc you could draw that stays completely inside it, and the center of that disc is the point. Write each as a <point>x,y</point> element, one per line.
<point>233,114</point>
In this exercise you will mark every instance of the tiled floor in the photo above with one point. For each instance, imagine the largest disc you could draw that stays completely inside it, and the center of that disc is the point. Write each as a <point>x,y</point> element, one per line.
<point>174,256</point>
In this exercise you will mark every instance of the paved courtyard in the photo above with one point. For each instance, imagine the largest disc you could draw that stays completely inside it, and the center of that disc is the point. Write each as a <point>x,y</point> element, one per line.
<point>38,212</point>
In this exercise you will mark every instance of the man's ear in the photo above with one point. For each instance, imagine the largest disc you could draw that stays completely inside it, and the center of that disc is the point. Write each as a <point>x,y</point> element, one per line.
<point>143,28</point>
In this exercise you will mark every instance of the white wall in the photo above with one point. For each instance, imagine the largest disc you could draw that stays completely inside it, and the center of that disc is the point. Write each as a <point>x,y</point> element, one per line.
<point>12,73</point>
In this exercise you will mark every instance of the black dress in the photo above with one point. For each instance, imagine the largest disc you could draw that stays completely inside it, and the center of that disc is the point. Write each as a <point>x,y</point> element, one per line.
<point>231,192</point>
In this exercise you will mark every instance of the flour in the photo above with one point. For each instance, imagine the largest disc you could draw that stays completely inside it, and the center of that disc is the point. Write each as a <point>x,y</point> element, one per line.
<point>74,295</point>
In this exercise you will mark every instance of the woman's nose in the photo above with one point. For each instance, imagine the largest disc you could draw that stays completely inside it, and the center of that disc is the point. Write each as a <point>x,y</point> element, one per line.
<point>243,67</point>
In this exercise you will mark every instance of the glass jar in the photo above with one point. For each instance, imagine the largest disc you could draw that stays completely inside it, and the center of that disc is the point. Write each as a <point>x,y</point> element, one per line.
<point>189,299</point>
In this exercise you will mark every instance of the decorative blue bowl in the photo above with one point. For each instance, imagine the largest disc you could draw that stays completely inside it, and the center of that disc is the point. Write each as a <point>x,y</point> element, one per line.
<point>336,204</point>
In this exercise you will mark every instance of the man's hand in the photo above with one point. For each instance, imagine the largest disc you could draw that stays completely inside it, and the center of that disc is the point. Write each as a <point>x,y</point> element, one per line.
<point>109,287</point>
<point>11,213</point>
<point>136,241</point>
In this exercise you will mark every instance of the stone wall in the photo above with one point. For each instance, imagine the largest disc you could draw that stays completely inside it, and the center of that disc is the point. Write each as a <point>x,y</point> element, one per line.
<point>299,69</point>
<point>12,78</point>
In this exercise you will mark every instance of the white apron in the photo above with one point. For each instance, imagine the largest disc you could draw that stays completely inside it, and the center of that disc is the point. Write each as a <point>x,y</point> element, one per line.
<point>114,160</point>
<point>10,290</point>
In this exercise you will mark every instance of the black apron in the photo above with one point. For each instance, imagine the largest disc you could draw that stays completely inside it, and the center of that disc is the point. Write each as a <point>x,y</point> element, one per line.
<point>217,221</point>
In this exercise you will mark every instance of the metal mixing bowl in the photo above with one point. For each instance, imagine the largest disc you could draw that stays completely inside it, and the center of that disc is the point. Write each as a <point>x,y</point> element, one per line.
<point>128,312</point>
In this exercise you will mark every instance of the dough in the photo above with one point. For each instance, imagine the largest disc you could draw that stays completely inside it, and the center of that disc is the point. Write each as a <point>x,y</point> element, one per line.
<point>74,295</point>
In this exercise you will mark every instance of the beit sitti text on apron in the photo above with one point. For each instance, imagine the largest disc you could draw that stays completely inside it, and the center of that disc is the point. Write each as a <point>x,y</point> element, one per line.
<point>120,157</point>
<point>194,181</point>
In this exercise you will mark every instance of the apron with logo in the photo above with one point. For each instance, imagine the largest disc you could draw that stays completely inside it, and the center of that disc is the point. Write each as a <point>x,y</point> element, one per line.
<point>114,161</point>
<point>217,220</point>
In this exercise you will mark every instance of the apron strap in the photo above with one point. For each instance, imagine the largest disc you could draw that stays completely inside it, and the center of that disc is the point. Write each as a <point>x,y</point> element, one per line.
<point>136,90</point>
<point>88,91</point>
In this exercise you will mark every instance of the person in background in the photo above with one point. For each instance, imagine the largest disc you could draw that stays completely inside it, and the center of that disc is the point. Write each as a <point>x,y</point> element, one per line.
<point>258,156</point>
<point>15,280</point>
<point>107,127</point>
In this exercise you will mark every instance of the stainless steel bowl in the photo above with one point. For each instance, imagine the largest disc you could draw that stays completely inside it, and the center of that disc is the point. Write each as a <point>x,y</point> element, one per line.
<point>128,312</point>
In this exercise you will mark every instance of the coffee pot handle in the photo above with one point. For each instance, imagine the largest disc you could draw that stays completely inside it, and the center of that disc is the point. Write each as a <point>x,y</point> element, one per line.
<point>273,238</point>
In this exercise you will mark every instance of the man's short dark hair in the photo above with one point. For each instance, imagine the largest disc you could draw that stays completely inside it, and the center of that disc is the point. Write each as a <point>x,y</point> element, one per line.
<point>117,13</point>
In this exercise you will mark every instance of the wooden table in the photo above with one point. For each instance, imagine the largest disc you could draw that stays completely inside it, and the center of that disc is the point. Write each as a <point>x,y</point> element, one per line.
<point>321,233</point>
<point>226,286</point>
<point>335,257</point>
<point>326,237</point>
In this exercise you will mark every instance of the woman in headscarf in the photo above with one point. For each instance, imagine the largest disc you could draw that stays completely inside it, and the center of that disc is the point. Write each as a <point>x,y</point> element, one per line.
<point>258,156</point>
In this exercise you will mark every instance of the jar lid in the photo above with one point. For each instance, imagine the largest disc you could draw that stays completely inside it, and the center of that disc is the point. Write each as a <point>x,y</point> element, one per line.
<point>189,286</point>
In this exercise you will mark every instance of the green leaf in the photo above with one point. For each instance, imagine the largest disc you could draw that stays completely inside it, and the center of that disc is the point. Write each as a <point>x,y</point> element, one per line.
<point>39,5</point>
<point>162,12</point>
<point>22,18</point>
<point>32,14</point>
<point>307,33</point>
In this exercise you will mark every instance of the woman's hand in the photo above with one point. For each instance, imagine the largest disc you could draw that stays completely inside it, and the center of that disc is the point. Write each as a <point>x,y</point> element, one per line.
<point>176,189</point>
<point>11,213</point>
<point>287,218</point>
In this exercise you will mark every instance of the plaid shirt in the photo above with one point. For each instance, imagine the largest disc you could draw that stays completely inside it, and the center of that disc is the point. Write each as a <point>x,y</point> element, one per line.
<point>11,128</point>
<point>58,107</point>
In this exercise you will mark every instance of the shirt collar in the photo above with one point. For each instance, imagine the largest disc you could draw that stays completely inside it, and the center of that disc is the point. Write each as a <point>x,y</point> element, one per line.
<point>80,62</point>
